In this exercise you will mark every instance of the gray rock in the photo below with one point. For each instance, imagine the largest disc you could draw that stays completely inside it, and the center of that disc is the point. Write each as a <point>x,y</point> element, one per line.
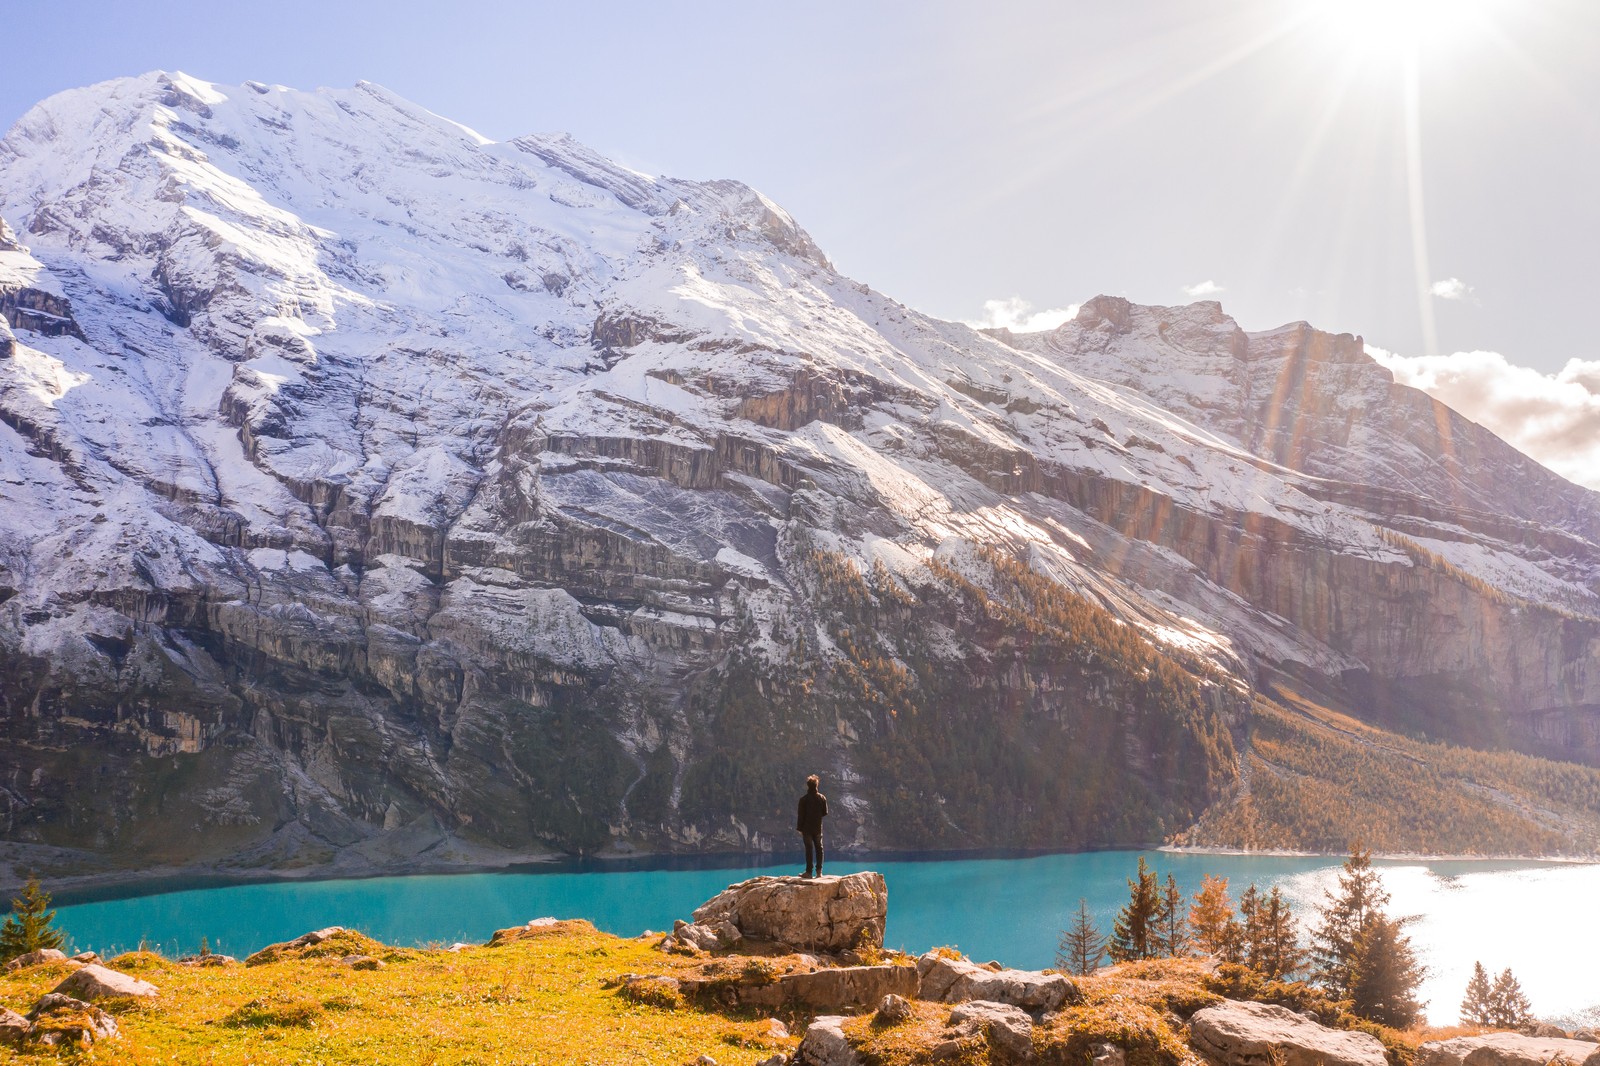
<point>94,982</point>
<point>13,1027</point>
<point>825,1045</point>
<point>956,980</point>
<point>1251,1034</point>
<point>1504,1049</point>
<point>35,958</point>
<point>90,1023</point>
<point>362,962</point>
<point>1108,1055</point>
<point>821,914</point>
<point>1008,1028</point>
<point>893,1009</point>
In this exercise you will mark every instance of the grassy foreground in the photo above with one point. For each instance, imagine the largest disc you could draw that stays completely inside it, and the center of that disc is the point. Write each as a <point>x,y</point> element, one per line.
<point>552,998</point>
<point>534,1001</point>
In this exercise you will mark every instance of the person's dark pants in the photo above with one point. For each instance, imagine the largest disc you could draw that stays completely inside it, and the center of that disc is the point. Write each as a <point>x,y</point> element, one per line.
<point>813,844</point>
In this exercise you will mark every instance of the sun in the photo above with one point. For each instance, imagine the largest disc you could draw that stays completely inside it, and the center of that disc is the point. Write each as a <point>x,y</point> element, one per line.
<point>1399,29</point>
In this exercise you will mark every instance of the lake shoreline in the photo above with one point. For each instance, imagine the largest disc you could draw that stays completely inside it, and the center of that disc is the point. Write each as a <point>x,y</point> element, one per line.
<point>72,888</point>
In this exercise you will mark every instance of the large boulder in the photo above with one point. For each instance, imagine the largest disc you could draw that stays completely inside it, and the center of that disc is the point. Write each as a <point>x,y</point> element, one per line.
<point>946,980</point>
<point>1255,1034</point>
<point>825,1045</point>
<point>94,982</point>
<point>822,913</point>
<point>13,1027</point>
<point>1504,1049</point>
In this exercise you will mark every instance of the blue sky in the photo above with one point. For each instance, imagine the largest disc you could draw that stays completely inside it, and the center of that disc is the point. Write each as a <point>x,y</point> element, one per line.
<point>953,154</point>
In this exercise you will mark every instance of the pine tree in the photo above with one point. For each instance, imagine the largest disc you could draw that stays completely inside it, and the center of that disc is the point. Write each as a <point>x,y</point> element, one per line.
<point>1508,1007</point>
<point>27,928</point>
<point>1211,917</point>
<point>1133,936</point>
<point>1171,928</point>
<point>1384,974</point>
<point>1081,946</point>
<point>1250,933</point>
<point>1359,901</point>
<point>1477,1006</point>
<point>1276,950</point>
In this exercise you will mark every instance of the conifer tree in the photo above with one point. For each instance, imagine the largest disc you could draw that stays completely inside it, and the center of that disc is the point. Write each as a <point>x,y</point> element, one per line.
<point>1276,950</point>
<point>1211,918</point>
<point>27,928</point>
<point>1477,1006</point>
<point>1172,922</point>
<point>1359,901</point>
<point>1134,936</point>
<point>1081,946</point>
<point>1508,1007</point>
<point>1384,973</point>
<point>1249,930</point>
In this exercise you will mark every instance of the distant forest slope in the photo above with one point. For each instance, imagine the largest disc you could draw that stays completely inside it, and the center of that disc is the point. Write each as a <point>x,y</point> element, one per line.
<point>1315,779</point>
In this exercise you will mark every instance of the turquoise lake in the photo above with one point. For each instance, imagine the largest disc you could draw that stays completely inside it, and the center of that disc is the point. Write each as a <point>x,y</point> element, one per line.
<point>1009,909</point>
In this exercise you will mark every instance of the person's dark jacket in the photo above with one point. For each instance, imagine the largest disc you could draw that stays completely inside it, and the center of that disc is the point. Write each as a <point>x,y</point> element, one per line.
<point>813,809</point>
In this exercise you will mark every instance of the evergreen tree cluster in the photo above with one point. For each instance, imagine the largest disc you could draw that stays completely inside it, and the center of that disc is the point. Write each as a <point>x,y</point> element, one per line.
<point>1357,952</point>
<point>1501,1005</point>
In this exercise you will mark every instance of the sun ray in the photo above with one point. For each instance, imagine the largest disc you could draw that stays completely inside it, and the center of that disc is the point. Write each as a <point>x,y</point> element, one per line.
<point>1412,92</point>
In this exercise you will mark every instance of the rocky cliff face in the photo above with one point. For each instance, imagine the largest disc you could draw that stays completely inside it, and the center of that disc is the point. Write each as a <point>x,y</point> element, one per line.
<point>374,491</point>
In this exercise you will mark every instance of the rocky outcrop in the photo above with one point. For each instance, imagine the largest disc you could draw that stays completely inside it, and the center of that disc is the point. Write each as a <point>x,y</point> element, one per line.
<point>60,1021</point>
<point>1507,1049</point>
<point>1259,1034</point>
<point>92,982</point>
<point>1006,1028</point>
<point>836,988</point>
<point>948,980</point>
<point>828,913</point>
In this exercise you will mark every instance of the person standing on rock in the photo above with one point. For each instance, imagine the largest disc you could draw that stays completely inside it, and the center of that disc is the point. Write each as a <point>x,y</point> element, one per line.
<point>813,809</point>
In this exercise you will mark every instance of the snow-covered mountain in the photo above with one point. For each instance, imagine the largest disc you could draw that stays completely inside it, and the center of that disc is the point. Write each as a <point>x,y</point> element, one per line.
<point>371,490</point>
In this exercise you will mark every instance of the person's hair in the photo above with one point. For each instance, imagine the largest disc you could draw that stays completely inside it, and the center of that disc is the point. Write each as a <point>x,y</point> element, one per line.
<point>812,782</point>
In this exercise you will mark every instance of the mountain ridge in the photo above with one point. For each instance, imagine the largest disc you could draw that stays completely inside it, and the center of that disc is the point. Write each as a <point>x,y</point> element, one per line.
<point>403,490</point>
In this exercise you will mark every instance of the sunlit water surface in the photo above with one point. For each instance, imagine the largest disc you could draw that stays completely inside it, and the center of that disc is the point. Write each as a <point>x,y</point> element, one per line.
<point>1531,917</point>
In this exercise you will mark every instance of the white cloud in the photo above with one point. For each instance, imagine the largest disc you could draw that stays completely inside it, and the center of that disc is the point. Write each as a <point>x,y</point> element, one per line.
<point>1451,289</point>
<point>1553,417</point>
<point>1018,315</point>
<point>1202,288</point>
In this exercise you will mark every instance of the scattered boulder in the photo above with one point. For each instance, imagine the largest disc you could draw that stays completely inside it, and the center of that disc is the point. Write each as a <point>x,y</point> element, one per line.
<point>93,981</point>
<point>209,959</point>
<point>775,1029</point>
<point>825,1045</point>
<point>272,952</point>
<point>362,962</point>
<point>13,1027</point>
<point>86,956</point>
<point>1007,1028</point>
<point>780,1059</point>
<point>35,958</point>
<point>1504,1049</point>
<point>696,937</point>
<point>1108,1055</point>
<point>946,980</point>
<point>61,1021</point>
<point>893,1009</point>
<point>822,914</point>
<point>1255,1034</point>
